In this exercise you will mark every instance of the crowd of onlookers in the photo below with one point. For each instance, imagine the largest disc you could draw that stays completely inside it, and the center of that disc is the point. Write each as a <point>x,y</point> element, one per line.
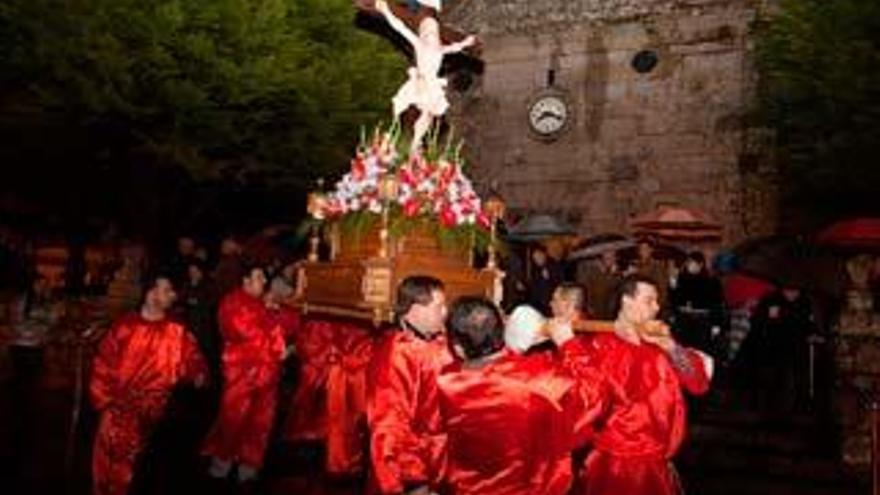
<point>763,341</point>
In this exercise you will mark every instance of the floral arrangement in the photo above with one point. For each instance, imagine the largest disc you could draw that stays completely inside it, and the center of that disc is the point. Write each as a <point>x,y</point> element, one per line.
<point>430,185</point>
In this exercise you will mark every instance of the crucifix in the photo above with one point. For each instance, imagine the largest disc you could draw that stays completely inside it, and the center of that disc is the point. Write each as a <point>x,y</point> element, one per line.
<point>431,42</point>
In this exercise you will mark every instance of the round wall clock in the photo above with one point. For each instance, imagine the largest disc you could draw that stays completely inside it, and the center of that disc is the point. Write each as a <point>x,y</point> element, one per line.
<point>549,114</point>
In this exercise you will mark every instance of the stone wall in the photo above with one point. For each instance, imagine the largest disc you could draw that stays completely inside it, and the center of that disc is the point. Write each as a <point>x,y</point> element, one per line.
<point>857,358</point>
<point>674,135</point>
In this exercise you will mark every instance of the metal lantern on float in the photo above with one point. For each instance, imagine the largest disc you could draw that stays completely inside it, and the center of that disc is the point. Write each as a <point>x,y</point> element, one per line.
<point>495,208</point>
<point>389,187</point>
<point>316,203</point>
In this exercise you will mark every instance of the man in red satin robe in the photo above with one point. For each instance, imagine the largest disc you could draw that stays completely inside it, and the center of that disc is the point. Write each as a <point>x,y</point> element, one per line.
<point>137,365</point>
<point>253,348</point>
<point>509,423</point>
<point>402,390</point>
<point>645,424</point>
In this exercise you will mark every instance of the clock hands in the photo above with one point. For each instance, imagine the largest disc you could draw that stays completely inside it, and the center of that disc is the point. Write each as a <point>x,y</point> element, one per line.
<point>551,114</point>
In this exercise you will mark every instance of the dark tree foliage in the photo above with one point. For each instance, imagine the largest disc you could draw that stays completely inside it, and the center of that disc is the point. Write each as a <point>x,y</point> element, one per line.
<point>819,63</point>
<point>259,90</point>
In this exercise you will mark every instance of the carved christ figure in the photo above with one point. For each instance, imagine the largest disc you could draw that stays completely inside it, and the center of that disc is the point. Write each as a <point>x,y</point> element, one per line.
<point>434,4</point>
<point>424,89</point>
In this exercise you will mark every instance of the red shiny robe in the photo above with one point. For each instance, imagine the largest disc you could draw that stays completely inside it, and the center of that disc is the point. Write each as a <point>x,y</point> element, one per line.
<point>137,365</point>
<point>510,426</point>
<point>645,424</point>
<point>402,409</point>
<point>253,344</point>
<point>287,319</point>
<point>347,398</point>
<point>307,418</point>
<point>330,400</point>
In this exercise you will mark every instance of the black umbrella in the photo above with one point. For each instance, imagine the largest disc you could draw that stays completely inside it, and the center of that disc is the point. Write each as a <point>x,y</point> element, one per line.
<point>538,227</point>
<point>790,261</point>
<point>661,251</point>
<point>597,245</point>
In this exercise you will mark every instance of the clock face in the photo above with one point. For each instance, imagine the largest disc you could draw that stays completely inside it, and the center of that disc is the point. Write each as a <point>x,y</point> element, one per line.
<point>548,115</point>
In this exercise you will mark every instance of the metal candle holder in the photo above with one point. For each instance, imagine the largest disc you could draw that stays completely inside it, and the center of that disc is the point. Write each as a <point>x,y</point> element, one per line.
<point>388,189</point>
<point>315,207</point>
<point>495,209</point>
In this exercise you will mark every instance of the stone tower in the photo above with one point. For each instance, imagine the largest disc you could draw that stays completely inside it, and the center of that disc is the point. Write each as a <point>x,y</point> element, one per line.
<point>657,95</point>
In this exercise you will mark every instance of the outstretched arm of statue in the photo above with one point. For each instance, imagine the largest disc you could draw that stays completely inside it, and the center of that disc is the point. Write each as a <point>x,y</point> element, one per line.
<point>468,42</point>
<point>396,24</point>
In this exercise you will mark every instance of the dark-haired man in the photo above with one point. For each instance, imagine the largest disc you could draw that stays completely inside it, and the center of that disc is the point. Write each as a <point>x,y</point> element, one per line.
<point>138,363</point>
<point>645,423</point>
<point>509,423</point>
<point>252,350</point>
<point>402,389</point>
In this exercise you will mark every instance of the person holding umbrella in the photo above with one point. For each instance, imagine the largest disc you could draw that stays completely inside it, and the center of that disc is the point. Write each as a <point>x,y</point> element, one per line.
<point>778,344</point>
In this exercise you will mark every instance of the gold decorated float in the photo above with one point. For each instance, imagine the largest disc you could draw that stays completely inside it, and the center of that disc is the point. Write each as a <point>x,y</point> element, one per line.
<point>404,208</point>
<point>392,216</point>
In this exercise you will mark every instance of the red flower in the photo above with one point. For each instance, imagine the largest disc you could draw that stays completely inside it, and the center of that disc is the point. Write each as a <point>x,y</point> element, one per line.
<point>411,207</point>
<point>483,220</point>
<point>447,216</point>
<point>447,174</point>
<point>358,169</point>
<point>406,177</point>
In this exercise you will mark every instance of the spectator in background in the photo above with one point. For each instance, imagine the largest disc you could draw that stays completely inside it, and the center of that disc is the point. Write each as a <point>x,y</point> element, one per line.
<point>32,327</point>
<point>646,265</point>
<point>201,254</point>
<point>230,267</point>
<point>545,274</point>
<point>514,280</point>
<point>37,313</point>
<point>124,290</point>
<point>198,301</point>
<point>177,265</point>
<point>778,348</point>
<point>600,277</point>
<point>697,304</point>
